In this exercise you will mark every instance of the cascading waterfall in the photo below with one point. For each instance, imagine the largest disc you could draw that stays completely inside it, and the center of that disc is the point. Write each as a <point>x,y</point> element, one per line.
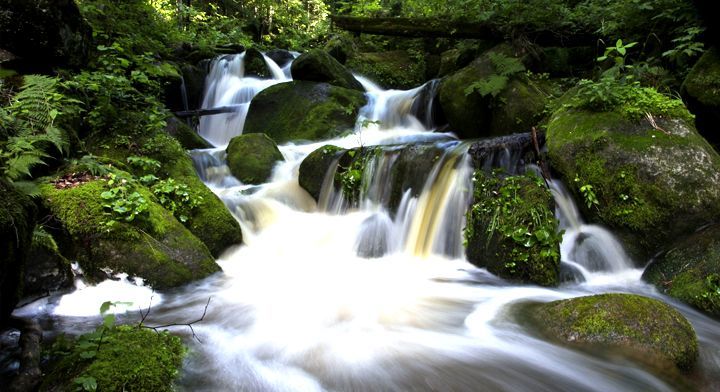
<point>376,295</point>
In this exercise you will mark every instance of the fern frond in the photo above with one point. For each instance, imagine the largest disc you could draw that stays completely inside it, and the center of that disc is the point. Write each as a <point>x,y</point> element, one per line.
<point>28,188</point>
<point>20,165</point>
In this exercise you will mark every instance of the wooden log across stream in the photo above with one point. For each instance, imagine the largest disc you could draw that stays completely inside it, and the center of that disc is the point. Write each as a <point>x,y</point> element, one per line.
<point>207,112</point>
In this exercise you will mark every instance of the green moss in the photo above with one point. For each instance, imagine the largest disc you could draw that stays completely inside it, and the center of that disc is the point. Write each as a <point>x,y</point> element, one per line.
<point>654,178</point>
<point>703,81</point>
<point>251,157</point>
<point>397,69</point>
<point>129,359</point>
<point>154,246</point>
<point>632,323</point>
<point>690,271</point>
<point>303,110</point>
<point>316,65</point>
<point>511,229</point>
<point>315,166</point>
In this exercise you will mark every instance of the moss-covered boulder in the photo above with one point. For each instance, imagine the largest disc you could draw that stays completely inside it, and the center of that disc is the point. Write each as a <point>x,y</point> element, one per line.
<point>701,91</point>
<point>251,157</point>
<point>315,166</point>
<point>511,229</point>
<point>281,57</point>
<point>491,96</point>
<point>211,221</point>
<point>317,65</point>
<point>129,359</point>
<point>341,46</point>
<point>302,110</point>
<point>690,271</point>
<point>47,270</point>
<point>183,133</point>
<point>641,327</point>
<point>153,245</point>
<point>397,69</point>
<point>17,222</point>
<point>639,166</point>
<point>255,64</point>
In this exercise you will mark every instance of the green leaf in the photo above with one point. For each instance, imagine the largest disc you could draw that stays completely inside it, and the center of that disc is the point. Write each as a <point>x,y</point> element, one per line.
<point>105,307</point>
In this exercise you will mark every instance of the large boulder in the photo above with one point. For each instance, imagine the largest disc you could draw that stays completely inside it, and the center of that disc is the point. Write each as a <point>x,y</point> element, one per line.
<point>317,65</point>
<point>251,157</point>
<point>639,327</point>
<point>154,246</point>
<point>255,64</point>
<point>315,166</point>
<point>690,271</point>
<point>281,57</point>
<point>491,96</point>
<point>396,69</point>
<point>211,222</point>
<point>640,168</point>
<point>17,222</point>
<point>303,110</point>
<point>701,92</point>
<point>45,33</point>
<point>511,229</point>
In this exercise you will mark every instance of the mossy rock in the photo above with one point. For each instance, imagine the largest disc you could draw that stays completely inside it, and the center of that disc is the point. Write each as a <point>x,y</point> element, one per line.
<point>566,61</point>
<point>211,222</point>
<point>251,157</point>
<point>690,271</point>
<point>701,91</point>
<point>396,69</point>
<point>255,64</point>
<point>47,269</point>
<point>301,110</point>
<point>17,222</point>
<point>341,47</point>
<point>183,133</point>
<point>470,114</point>
<point>155,246</point>
<point>522,104</point>
<point>315,166</point>
<point>637,326</point>
<point>511,229</point>
<point>129,359</point>
<point>317,65</point>
<point>653,179</point>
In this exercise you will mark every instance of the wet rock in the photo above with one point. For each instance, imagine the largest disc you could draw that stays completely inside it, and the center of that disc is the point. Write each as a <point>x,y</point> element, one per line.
<point>690,271</point>
<point>396,69</point>
<point>187,136</point>
<point>45,34</point>
<point>255,64</point>
<point>154,246</point>
<point>302,110</point>
<point>649,179</point>
<point>17,222</point>
<point>512,230</point>
<point>47,269</point>
<point>194,77</point>
<point>701,92</point>
<point>318,66</point>
<point>315,166</point>
<point>638,327</point>
<point>251,157</point>
<point>280,56</point>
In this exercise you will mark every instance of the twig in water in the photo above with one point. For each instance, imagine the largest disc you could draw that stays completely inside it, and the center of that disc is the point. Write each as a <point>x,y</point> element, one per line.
<point>189,325</point>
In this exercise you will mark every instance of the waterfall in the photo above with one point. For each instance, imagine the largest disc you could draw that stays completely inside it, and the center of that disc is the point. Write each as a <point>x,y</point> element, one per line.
<point>227,86</point>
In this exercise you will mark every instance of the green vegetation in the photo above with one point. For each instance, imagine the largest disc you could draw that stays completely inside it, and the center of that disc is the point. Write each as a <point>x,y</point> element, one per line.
<point>641,328</point>
<point>511,228</point>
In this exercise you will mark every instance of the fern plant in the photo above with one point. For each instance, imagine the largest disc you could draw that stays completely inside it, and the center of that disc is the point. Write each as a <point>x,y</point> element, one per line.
<point>492,85</point>
<point>30,123</point>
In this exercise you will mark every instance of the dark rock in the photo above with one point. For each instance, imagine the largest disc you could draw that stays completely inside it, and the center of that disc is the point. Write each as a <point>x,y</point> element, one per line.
<point>302,110</point>
<point>280,56</point>
<point>701,92</point>
<point>251,157</point>
<point>184,134</point>
<point>17,222</point>
<point>340,47</point>
<point>194,78</point>
<point>315,166</point>
<point>255,64</point>
<point>690,271</point>
<point>45,33</point>
<point>639,327</point>
<point>47,270</point>
<point>318,66</point>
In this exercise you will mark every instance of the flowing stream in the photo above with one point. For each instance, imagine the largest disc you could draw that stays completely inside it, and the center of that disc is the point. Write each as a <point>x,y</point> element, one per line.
<point>375,296</point>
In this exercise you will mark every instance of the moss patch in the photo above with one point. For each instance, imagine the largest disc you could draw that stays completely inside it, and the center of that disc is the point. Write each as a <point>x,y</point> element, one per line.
<point>397,69</point>
<point>129,359</point>
<point>303,111</point>
<point>317,65</point>
<point>511,229</point>
<point>654,178</point>
<point>690,271</point>
<point>703,81</point>
<point>251,157</point>
<point>628,322</point>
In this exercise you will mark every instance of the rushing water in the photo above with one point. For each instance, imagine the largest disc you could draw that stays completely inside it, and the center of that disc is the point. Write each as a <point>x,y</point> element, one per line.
<point>374,297</point>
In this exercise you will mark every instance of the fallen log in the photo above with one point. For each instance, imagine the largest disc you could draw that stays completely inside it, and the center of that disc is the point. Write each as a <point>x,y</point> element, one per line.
<point>207,112</point>
<point>441,28</point>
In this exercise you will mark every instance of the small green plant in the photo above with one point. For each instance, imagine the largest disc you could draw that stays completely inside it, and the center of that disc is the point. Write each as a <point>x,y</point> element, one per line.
<point>89,163</point>
<point>491,86</point>
<point>588,192</point>
<point>176,198</point>
<point>687,46</point>
<point>147,165</point>
<point>122,202</point>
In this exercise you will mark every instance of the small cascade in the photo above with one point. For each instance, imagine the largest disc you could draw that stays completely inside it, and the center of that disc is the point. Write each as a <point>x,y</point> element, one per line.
<point>227,86</point>
<point>586,249</point>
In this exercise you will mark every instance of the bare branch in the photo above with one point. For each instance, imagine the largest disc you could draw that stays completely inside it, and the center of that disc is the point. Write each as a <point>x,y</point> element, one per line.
<point>189,325</point>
